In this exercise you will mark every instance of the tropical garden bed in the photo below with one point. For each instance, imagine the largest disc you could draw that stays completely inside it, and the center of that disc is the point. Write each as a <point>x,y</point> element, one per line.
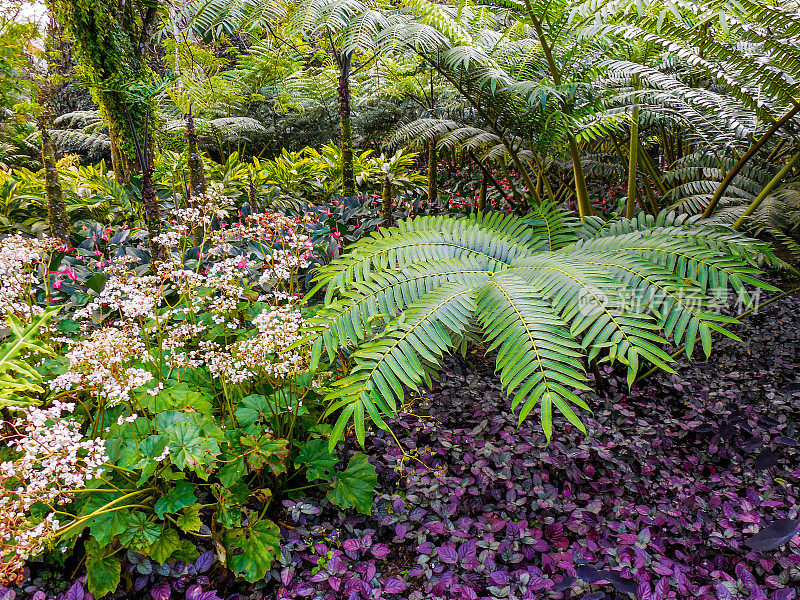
<point>362,300</point>
<point>663,503</point>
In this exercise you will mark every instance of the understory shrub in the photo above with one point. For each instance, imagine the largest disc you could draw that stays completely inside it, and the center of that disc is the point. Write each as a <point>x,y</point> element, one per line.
<point>177,406</point>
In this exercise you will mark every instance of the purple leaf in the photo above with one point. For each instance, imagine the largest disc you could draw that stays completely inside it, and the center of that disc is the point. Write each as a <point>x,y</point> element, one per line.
<point>193,592</point>
<point>723,592</point>
<point>140,582</point>
<point>161,591</point>
<point>588,573</point>
<point>499,578</point>
<point>380,551</point>
<point>76,592</point>
<point>352,545</point>
<point>394,585</point>
<point>448,553</point>
<point>466,552</point>
<point>204,561</point>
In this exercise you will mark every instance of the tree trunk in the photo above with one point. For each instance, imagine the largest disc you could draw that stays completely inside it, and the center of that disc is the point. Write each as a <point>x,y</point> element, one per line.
<point>56,213</point>
<point>197,177</point>
<point>746,157</point>
<point>386,208</point>
<point>152,212</point>
<point>633,159</point>
<point>348,174</point>
<point>584,206</point>
<point>482,194</point>
<point>111,41</point>
<point>433,191</point>
<point>768,189</point>
<point>52,186</point>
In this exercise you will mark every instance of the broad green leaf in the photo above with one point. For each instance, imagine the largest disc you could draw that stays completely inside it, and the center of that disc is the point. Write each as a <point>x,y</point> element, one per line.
<point>179,496</point>
<point>266,452</point>
<point>140,534</point>
<point>251,550</point>
<point>103,572</point>
<point>318,460</point>
<point>189,448</point>
<point>189,519</point>
<point>355,486</point>
<point>167,543</point>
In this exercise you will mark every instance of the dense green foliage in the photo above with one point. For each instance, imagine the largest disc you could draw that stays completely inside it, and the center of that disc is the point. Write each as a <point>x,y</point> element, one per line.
<point>236,235</point>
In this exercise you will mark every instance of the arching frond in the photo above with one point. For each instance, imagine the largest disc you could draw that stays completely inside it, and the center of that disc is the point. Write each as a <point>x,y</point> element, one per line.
<point>547,291</point>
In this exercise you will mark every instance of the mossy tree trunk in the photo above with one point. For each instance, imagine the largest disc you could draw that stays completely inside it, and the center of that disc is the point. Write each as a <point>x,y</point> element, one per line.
<point>348,171</point>
<point>56,212</point>
<point>111,40</point>
<point>197,176</point>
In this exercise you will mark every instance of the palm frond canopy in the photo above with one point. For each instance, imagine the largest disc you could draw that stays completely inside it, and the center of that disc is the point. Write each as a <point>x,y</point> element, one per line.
<point>546,292</point>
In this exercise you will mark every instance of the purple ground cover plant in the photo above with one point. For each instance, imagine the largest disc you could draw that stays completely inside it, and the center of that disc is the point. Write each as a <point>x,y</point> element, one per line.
<point>685,488</point>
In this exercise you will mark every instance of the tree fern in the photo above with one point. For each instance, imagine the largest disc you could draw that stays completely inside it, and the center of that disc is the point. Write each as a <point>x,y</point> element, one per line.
<point>546,292</point>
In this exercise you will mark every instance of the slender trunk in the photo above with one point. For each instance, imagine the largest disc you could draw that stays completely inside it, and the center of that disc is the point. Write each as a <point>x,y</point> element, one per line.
<point>251,192</point>
<point>482,194</point>
<point>514,191</point>
<point>52,186</point>
<point>348,174</point>
<point>650,195</point>
<point>433,191</point>
<point>150,207</point>
<point>650,167</point>
<point>152,212</point>
<point>386,208</point>
<point>197,176</point>
<point>492,180</point>
<point>776,150</point>
<point>768,189</point>
<point>633,159</point>
<point>746,157</point>
<point>581,192</point>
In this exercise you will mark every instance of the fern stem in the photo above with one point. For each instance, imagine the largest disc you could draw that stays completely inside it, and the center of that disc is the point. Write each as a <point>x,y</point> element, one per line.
<point>633,157</point>
<point>582,193</point>
<point>746,157</point>
<point>766,191</point>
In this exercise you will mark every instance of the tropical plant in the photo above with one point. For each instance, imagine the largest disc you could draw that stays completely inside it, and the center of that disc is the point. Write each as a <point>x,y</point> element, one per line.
<point>20,383</point>
<point>546,292</point>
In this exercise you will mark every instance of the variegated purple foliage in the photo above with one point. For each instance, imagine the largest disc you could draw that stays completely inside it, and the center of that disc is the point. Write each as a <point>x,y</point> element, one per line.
<point>661,501</point>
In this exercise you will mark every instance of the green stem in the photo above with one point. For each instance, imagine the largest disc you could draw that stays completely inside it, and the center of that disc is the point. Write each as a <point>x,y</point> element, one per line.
<point>630,205</point>
<point>768,189</point>
<point>746,157</point>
